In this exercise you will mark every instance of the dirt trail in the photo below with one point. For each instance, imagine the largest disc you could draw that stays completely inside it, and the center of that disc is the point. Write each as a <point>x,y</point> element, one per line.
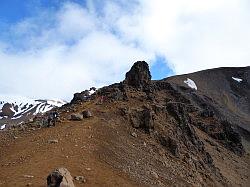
<point>31,154</point>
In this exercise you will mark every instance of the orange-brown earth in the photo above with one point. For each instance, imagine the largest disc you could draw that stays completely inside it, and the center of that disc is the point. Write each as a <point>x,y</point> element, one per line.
<point>103,150</point>
<point>29,153</point>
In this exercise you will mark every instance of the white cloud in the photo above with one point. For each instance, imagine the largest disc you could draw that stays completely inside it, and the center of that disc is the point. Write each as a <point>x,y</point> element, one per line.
<point>58,53</point>
<point>192,35</point>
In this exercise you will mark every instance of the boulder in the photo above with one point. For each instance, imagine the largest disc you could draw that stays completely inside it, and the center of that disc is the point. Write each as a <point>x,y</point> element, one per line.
<point>139,75</point>
<point>171,144</point>
<point>60,178</point>
<point>76,117</point>
<point>83,96</point>
<point>86,114</point>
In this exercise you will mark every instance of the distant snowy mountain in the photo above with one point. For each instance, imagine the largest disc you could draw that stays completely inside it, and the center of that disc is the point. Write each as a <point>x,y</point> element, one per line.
<point>15,107</point>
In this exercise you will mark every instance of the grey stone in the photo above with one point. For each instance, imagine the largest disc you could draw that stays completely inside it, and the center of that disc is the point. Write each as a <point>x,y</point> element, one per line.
<point>80,179</point>
<point>87,114</point>
<point>76,117</point>
<point>134,134</point>
<point>60,178</point>
<point>154,174</point>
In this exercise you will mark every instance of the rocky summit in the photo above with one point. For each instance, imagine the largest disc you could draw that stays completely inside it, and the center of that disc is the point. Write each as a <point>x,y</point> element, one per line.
<point>139,75</point>
<point>187,130</point>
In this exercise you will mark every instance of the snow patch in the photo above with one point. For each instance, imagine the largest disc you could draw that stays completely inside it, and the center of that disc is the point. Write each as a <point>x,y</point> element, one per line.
<point>17,117</point>
<point>12,109</point>
<point>91,92</point>
<point>237,79</point>
<point>190,83</point>
<point>56,102</point>
<point>3,126</point>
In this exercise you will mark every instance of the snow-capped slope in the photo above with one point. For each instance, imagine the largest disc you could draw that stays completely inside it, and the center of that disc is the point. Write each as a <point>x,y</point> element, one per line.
<point>15,107</point>
<point>190,83</point>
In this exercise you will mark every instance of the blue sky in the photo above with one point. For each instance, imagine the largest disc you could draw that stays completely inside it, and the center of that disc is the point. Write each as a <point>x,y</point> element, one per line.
<point>54,48</point>
<point>12,11</point>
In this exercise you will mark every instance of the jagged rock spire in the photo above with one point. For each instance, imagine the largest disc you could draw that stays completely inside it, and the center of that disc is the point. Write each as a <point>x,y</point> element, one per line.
<point>139,75</point>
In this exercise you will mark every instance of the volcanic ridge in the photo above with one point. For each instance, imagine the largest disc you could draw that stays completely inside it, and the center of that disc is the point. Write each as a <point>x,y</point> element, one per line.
<point>187,130</point>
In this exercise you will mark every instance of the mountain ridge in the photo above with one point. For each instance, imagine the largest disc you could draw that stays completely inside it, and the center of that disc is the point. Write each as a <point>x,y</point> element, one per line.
<point>18,109</point>
<point>140,133</point>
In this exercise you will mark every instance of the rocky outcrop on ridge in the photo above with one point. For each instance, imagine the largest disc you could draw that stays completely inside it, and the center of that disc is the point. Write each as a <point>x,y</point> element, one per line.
<point>150,133</point>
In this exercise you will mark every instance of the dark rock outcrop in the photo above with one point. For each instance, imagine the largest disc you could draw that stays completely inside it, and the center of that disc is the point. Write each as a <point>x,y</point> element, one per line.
<point>83,96</point>
<point>142,118</point>
<point>7,110</point>
<point>114,92</point>
<point>171,145</point>
<point>179,112</point>
<point>225,133</point>
<point>139,75</point>
<point>207,113</point>
<point>232,138</point>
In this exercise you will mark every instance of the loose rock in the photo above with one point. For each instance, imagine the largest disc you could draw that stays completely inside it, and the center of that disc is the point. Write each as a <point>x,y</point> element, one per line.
<point>80,179</point>
<point>28,176</point>
<point>134,134</point>
<point>60,178</point>
<point>53,141</point>
<point>154,174</point>
<point>76,117</point>
<point>86,114</point>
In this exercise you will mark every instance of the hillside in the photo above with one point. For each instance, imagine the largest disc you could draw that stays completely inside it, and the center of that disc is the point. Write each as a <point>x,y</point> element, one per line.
<point>226,91</point>
<point>140,133</point>
<point>229,89</point>
<point>15,109</point>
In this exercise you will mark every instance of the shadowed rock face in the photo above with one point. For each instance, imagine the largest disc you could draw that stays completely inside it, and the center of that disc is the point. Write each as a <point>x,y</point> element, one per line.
<point>139,75</point>
<point>6,110</point>
<point>219,89</point>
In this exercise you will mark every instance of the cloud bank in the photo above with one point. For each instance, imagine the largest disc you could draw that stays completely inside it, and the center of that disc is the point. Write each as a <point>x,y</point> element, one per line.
<point>58,52</point>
